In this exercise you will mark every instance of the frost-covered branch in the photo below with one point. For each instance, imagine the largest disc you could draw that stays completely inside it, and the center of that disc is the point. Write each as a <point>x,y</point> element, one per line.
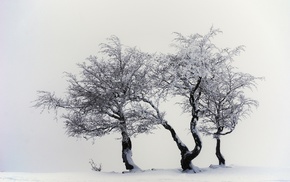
<point>224,102</point>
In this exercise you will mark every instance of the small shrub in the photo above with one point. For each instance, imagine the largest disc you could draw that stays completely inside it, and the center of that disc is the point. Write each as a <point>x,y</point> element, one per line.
<point>94,166</point>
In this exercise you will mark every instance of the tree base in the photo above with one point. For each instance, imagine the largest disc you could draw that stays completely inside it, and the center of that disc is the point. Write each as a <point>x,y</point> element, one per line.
<point>194,169</point>
<point>133,171</point>
<point>213,166</point>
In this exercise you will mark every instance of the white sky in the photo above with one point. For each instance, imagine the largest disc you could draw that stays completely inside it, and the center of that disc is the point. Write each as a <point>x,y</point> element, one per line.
<point>39,40</point>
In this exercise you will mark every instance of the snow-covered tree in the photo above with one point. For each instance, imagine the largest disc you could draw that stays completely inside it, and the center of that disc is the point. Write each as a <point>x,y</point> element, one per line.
<point>102,98</point>
<point>196,60</point>
<point>155,91</point>
<point>224,103</point>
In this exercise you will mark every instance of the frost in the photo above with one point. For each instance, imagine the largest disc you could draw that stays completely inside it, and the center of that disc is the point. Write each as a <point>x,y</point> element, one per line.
<point>179,141</point>
<point>130,161</point>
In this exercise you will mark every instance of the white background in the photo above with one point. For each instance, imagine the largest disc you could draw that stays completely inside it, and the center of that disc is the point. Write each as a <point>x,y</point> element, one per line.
<point>39,40</point>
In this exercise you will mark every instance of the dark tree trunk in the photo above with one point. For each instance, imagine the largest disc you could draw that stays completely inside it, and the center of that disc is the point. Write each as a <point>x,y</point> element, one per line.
<point>181,146</point>
<point>126,151</point>
<point>218,152</point>
<point>218,146</point>
<point>186,155</point>
<point>189,156</point>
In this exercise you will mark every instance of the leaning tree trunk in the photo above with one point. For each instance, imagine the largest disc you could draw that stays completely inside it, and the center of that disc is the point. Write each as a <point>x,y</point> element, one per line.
<point>127,151</point>
<point>181,146</point>
<point>186,155</point>
<point>189,156</point>
<point>218,147</point>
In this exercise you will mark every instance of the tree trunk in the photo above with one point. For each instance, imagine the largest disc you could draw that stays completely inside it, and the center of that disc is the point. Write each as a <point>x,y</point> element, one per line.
<point>127,151</point>
<point>218,152</point>
<point>186,155</point>
<point>189,156</point>
<point>218,146</point>
<point>181,146</point>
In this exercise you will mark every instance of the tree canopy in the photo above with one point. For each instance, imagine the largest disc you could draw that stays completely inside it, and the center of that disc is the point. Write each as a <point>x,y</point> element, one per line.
<point>102,96</point>
<point>224,101</point>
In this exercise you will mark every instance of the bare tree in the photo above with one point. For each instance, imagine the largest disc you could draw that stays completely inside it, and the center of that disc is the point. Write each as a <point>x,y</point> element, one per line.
<point>102,99</point>
<point>224,103</point>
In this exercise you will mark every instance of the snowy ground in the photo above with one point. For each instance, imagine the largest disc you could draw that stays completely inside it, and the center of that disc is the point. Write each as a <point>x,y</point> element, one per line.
<point>228,174</point>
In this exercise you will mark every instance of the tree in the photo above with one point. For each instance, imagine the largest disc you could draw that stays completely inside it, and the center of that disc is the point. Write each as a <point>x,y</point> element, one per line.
<point>224,103</point>
<point>196,60</point>
<point>103,98</point>
<point>155,91</point>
